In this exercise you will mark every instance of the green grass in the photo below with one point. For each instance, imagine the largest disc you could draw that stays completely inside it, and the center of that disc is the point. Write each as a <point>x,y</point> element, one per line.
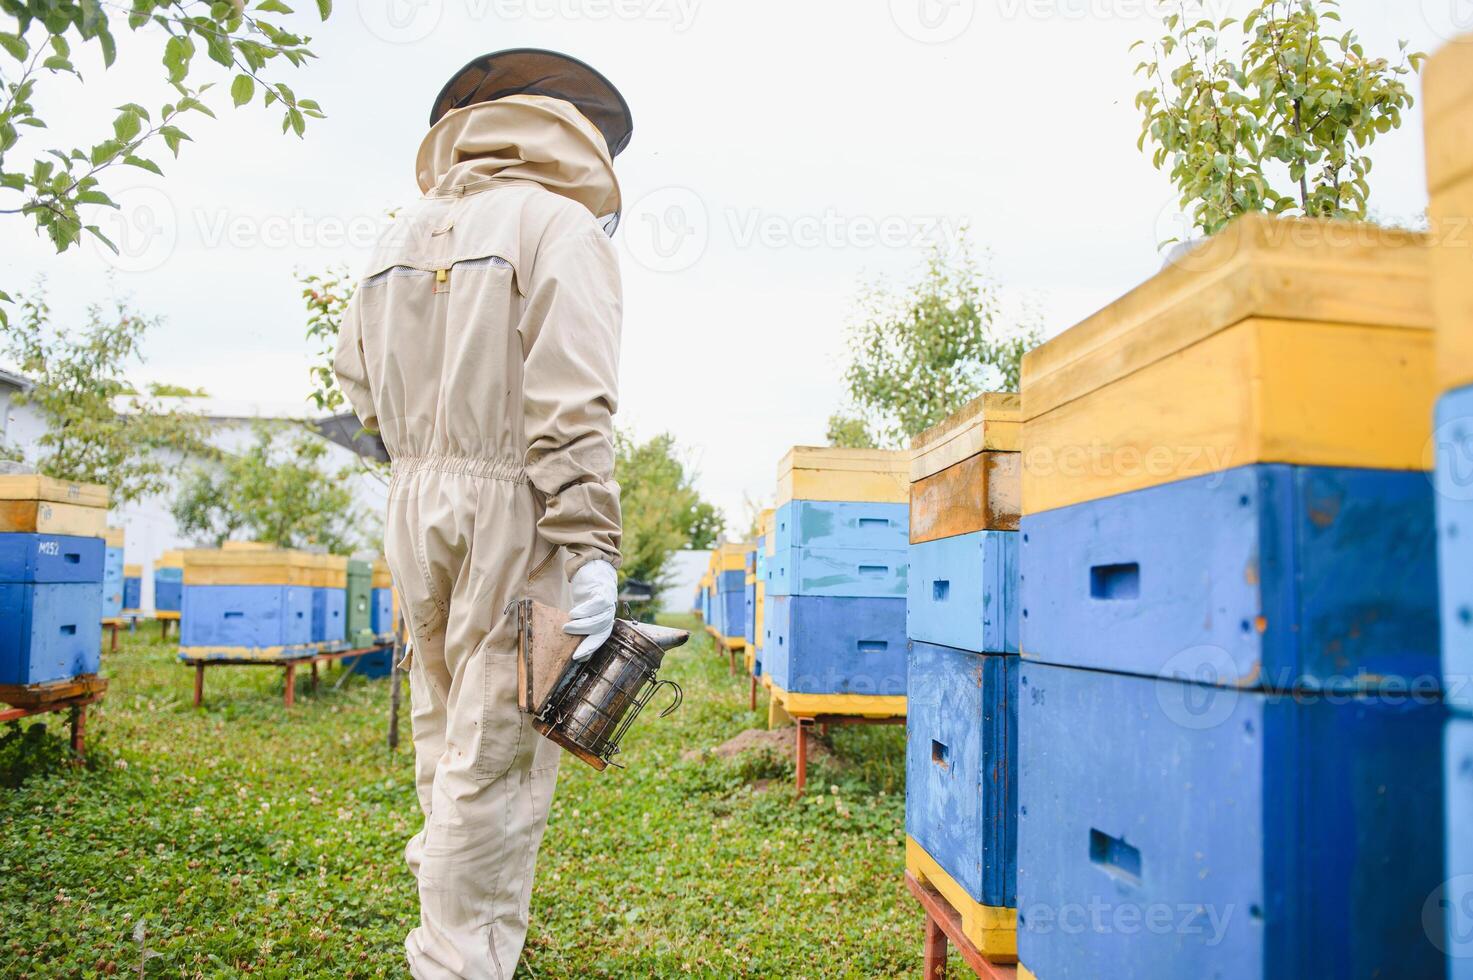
<point>244,839</point>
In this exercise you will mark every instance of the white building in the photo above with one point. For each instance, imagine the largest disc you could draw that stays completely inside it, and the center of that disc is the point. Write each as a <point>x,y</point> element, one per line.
<point>149,523</point>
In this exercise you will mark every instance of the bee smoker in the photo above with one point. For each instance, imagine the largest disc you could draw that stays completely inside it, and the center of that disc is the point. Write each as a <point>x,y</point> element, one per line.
<point>588,706</point>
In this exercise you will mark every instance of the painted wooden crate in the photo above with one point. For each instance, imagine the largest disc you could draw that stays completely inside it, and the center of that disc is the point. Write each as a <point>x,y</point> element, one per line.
<point>1276,341</point>
<point>360,602</point>
<point>49,632</point>
<point>1454,483</point>
<point>50,606</point>
<point>732,612</point>
<point>963,592</point>
<point>246,620</point>
<point>826,645</point>
<point>856,475</point>
<point>965,472</point>
<point>749,611</point>
<point>383,611</point>
<point>838,572</point>
<point>1267,576</point>
<point>329,615</point>
<point>168,589</point>
<point>375,665</point>
<point>132,588</point>
<point>1456,896</point>
<point>41,505</point>
<point>1172,830</point>
<point>112,583</point>
<point>961,786</point>
<point>840,524</point>
<point>1447,106</point>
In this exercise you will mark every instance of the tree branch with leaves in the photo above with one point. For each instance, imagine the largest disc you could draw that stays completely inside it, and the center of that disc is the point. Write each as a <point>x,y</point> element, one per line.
<point>54,186</point>
<point>1284,127</point>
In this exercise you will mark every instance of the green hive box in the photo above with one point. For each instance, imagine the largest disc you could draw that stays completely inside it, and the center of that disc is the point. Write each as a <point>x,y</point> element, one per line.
<point>360,604</point>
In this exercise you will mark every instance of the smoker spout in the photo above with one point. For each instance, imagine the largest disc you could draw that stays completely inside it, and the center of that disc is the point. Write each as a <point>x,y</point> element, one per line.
<point>662,636</point>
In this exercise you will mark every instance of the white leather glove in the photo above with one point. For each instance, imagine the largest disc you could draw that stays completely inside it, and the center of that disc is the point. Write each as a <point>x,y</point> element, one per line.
<point>595,593</point>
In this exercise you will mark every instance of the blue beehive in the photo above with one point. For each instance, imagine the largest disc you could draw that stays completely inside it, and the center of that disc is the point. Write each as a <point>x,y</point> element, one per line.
<point>823,645</point>
<point>1261,576</point>
<point>132,588</point>
<point>1267,838</point>
<point>961,776</point>
<point>247,604</point>
<point>1456,896</point>
<point>1454,484</point>
<point>113,575</point>
<point>731,603</point>
<point>963,592</point>
<point>383,611</point>
<point>168,582</point>
<point>50,607</point>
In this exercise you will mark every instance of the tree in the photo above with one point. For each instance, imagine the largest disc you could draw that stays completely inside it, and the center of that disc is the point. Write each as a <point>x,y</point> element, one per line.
<point>278,491</point>
<point>1283,128</point>
<point>848,432</point>
<point>326,296</point>
<point>52,186</point>
<point>662,510</point>
<point>99,429</point>
<point>918,356</point>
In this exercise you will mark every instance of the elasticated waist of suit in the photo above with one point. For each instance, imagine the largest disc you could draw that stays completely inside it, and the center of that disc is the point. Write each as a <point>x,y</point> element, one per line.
<point>488,469</point>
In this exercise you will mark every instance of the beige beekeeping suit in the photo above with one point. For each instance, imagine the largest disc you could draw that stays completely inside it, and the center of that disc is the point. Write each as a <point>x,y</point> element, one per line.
<point>483,344</point>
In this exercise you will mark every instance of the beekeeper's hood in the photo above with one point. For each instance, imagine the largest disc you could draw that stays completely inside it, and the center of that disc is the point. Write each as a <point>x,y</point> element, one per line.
<point>527,114</point>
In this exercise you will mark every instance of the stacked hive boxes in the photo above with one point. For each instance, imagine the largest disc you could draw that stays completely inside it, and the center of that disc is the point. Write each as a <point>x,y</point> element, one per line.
<point>1449,107</point>
<point>749,607</point>
<point>758,612</point>
<point>731,592</point>
<point>329,600</point>
<point>168,582</point>
<point>836,574</point>
<point>247,604</point>
<point>1227,581</point>
<point>52,556</point>
<point>382,599</point>
<point>961,766</point>
<point>360,603</point>
<point>112,576</point>
<point>132,590</point>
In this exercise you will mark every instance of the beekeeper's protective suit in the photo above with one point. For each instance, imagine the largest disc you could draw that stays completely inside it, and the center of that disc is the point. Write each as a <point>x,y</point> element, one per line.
<point>483,345</point>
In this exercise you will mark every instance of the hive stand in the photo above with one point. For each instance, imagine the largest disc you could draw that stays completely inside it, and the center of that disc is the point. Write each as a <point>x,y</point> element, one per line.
<point>944,925</point>
<point>165,617</point>
<point>807,710</point>
<point>73,695</point>
<point>288,664</point>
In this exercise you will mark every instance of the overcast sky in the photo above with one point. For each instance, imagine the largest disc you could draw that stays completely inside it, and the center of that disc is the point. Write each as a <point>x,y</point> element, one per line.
<point>783,153</point>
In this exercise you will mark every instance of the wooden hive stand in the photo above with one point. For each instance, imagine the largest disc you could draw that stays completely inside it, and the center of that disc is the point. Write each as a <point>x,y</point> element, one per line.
<point>73,695</point>
<point>804,711</point>
<point>943,926</point>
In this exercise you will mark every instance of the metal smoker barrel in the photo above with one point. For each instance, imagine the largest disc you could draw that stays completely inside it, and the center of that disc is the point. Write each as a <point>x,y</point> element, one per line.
<point>596,703</point>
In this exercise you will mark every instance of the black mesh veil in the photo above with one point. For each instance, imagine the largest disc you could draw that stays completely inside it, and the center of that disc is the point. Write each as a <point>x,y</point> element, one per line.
<point>532,71</point>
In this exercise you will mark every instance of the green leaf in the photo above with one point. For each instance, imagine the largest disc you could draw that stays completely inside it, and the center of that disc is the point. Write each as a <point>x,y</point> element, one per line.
<point>324,9</point>
<point>242,89</point>
<point>142,164</point>
<point>15,46</point>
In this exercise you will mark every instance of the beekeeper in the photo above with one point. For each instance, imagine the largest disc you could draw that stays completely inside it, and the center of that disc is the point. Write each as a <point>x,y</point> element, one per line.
<point>483,345</point>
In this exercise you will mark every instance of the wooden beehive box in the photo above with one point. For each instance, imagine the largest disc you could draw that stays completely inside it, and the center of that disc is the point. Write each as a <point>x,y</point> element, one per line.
<point>1276,341</point>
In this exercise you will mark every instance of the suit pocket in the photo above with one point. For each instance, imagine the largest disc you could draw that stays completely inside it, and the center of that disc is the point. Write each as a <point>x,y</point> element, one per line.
<point>505,730</point>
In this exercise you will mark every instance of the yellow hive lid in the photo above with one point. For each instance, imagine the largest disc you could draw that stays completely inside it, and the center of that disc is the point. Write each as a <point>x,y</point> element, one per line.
<point>381,577</point>
<point>224,567</point>
<point>833,473</point>
<point>331,571</point>
<point>170,559</point>
<point>248,546</point>
<point>132,571</point>
<point>765,521</point>
<point>114,537</point>
<point>732,556</point>
<point>992,422</point>
<point>32,487</point>
<point>1447,106</point>
<point>1331,272</point>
